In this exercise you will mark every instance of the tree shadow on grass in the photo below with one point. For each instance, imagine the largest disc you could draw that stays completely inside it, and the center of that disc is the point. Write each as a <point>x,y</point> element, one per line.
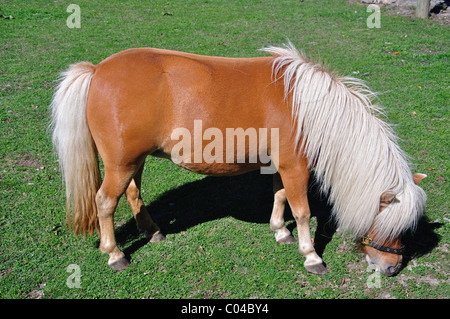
<point>249,198</point>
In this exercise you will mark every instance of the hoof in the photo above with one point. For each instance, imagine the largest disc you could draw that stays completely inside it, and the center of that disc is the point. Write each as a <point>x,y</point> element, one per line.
<point>158,237</point>
<point>287,240</point>
<point>120,264</point>
<point>318,269</point>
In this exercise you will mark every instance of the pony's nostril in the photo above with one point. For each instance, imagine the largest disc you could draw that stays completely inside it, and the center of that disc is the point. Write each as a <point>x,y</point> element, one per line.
<point>391,270</point>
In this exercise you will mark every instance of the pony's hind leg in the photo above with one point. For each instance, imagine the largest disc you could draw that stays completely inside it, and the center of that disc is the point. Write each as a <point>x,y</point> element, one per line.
<point>282,234</point>
<point>114,184</point>
<point>295,181</point>
<point>143,220</point>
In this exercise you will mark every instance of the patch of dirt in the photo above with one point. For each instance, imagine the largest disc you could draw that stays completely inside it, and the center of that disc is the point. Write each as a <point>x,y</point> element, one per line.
<point>37,293</point>
<point>385,295</point>
<point>28,160</point>
<point>25,160</point>
<point>439,9</point>
<point>428,279</point>
<point>4,272</point>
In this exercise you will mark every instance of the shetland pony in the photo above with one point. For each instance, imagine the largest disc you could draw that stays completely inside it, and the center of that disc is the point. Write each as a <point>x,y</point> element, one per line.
<point>145,101</point>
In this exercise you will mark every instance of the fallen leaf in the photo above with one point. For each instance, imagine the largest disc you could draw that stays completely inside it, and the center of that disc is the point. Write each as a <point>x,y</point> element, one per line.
<point>55,229</point>
<point>413,112</point>
<point>431,168</point>
<point>440,179</point>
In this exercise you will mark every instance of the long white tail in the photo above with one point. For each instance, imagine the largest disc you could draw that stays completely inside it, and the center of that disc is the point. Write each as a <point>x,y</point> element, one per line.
<point>78,157</point>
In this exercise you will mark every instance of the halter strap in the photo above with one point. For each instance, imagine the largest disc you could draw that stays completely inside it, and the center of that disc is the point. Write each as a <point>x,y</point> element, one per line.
<point>367,241</point>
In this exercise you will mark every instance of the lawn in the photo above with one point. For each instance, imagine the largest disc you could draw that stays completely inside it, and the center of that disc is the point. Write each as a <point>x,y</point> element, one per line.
<point>218,244</point>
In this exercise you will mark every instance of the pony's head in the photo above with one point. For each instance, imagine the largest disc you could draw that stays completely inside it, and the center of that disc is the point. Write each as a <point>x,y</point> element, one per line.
<point>387,254</point>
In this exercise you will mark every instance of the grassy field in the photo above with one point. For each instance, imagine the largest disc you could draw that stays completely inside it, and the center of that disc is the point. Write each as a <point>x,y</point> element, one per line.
<point>219,244</point>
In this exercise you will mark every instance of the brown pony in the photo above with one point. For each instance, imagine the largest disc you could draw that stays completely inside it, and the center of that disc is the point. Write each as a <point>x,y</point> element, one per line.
<point>282,114</point>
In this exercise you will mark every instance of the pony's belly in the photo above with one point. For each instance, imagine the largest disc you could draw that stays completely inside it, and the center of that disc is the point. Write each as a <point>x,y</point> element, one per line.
<point>211,168</point>
<point>220,169</point>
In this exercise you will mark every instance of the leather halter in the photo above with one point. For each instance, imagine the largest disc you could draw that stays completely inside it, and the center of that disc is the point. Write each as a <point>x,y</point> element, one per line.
<point>367,241</point>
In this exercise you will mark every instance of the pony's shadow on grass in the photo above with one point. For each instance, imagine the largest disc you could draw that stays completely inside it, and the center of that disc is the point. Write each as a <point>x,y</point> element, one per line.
<point>249,197</point>
<point>422,240</point>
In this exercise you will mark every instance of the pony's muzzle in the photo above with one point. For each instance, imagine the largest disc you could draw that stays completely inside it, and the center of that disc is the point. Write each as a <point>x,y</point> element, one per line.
<point>387,269</point>
<point>392,270</point>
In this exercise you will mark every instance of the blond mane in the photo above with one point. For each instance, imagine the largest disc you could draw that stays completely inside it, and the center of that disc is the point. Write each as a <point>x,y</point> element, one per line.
<point>354,152</point>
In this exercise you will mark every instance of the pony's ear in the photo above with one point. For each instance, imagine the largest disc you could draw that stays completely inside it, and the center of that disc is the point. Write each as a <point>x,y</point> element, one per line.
<point>387,197</point>
<point>418,177</point>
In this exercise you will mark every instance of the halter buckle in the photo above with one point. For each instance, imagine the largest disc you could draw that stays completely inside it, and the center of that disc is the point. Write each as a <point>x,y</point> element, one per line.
<point>366,240</point>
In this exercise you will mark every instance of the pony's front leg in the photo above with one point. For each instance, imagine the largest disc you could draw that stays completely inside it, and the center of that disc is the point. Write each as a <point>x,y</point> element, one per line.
<point>282,234</point>
<point>296,185</point>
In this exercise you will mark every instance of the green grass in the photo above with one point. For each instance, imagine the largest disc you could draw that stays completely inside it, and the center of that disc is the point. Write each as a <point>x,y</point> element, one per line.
<point>219,244</point>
